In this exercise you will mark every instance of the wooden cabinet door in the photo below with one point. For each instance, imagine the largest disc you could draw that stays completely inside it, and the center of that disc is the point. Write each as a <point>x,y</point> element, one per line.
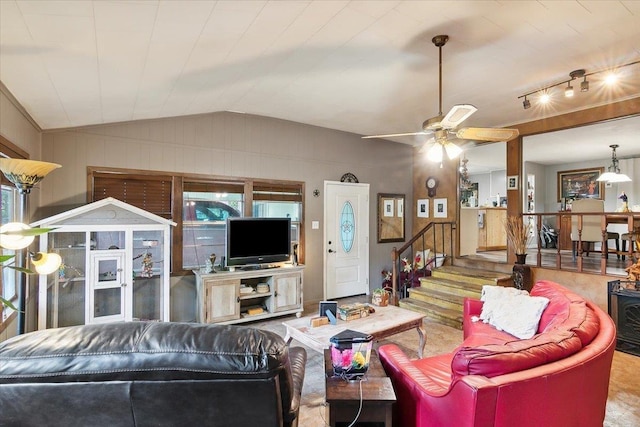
<point>496,233</point>
<point>221,300</point>
<point>287,292</point>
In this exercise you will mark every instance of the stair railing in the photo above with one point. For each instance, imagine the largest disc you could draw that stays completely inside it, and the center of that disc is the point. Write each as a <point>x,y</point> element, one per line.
<point>436,236</point>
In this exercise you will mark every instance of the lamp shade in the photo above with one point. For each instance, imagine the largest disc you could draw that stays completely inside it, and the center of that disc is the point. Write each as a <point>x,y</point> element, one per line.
<point>46,263</point>
<point>12,241</point>
<point>435,153</point>
<point>452,150</point>
<point>24,174</point>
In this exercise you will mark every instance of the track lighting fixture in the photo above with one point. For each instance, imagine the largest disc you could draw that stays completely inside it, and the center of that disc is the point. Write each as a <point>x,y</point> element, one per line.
<point>569,92</point>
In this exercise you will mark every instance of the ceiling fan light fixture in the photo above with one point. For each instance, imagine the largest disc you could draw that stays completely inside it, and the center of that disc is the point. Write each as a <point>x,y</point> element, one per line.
<point>435,153</point>
<point>452,150</point>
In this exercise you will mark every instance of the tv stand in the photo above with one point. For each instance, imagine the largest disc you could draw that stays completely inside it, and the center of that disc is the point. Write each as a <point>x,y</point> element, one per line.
<point>234,297</point>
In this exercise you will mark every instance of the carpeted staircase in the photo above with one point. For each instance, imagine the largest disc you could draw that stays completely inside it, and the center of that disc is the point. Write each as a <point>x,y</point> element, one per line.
<point>440,296</point>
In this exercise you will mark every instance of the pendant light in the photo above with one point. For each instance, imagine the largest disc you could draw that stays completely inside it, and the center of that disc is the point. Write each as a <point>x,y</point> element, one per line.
<point>613,172</point>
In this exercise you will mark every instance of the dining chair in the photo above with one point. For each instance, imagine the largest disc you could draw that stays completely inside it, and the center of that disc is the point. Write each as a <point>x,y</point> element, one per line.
<point>591,228</point>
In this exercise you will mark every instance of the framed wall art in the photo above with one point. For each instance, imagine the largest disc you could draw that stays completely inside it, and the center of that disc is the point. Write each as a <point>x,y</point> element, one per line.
<point>423,208</point>
<point>512,182</point>
<point>439,208</point>
<point>580,184</point>
<point>390,217</point>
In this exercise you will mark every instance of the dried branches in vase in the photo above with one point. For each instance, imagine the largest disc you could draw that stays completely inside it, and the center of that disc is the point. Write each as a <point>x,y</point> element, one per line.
<point>518,234</point>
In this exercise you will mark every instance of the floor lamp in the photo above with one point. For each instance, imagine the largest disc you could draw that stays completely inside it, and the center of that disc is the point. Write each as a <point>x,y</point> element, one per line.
<point>24,174</point>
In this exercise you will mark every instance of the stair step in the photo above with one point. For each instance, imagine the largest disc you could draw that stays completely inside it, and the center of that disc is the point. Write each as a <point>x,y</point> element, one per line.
<point>440,315</point>
<point>458,286</point>
<point>480,277</point>
<point>442,298</point>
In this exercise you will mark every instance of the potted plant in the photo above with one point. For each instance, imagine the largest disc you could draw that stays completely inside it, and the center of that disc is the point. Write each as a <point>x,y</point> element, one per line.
<point>519,237</point>
<point>380,297</point>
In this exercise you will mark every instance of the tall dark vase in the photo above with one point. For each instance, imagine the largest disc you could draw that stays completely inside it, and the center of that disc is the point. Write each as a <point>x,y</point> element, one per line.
<point>522,273</point>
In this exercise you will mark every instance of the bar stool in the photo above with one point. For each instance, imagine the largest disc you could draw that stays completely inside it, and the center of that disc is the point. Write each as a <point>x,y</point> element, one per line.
<point>614,236</point>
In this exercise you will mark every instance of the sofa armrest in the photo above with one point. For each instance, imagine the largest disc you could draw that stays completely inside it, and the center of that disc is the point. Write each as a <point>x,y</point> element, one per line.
<point>297,360</point>
<point>471,307</point>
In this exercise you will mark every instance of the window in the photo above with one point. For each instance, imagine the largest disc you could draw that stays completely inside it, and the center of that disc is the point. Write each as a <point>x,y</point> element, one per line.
<point>205,209</point>
<point>9,206</point>
<point>9,211</point>
<point>200,206</point>
<point>280,201</point>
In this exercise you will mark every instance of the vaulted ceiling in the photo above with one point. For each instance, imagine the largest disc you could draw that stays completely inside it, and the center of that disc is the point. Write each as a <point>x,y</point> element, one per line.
<point>366,67</point>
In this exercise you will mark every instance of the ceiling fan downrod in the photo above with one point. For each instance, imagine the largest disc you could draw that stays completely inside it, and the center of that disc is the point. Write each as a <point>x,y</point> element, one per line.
<point>440,41</point>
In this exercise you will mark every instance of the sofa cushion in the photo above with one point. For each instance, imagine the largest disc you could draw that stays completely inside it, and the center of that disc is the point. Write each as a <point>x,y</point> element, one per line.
<point>517,355</point>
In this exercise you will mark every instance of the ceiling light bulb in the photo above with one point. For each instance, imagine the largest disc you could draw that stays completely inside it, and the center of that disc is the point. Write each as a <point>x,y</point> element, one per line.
<point>435,153</point>
<point>453,150</point>
<point>544,98</point>
<point>46,263</point>
<point>568,92</point>
<point>611,78</point>
<point>526,103</point>
<point>14,241</point>
<point>584,86</point>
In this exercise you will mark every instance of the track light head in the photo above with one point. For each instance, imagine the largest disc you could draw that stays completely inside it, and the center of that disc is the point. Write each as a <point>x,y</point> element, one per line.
<point>568,92</point>
<point>584,86</point>
<point>526,104</point>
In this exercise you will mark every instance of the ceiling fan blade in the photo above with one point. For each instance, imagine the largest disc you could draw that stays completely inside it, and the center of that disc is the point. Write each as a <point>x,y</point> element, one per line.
<point>393,135</point>
<point>458,114</point>
<point>488,134</point>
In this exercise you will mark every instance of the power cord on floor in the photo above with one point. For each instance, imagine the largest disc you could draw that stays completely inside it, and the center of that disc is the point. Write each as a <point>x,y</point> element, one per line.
<point>359,379</point>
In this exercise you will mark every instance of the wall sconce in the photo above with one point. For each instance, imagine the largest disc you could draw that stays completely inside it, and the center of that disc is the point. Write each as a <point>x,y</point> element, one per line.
<point>613,172</point>
<point>569,91</point>
<point>25,174</point>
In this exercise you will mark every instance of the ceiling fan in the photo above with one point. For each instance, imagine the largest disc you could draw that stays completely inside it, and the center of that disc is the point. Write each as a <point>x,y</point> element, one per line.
<point>443,128</point>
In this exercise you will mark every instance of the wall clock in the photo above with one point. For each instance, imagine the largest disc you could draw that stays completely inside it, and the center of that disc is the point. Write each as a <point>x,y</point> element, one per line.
<point>432,184</point>
<point>349,177</point>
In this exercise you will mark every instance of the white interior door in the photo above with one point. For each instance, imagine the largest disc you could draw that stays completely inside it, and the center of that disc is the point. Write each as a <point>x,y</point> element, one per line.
<point>346,245</point>
<point>108,287</point>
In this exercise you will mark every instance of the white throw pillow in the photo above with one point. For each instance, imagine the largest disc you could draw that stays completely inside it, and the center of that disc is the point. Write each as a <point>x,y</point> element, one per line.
<point>520,315</point>
<point>494,297</point>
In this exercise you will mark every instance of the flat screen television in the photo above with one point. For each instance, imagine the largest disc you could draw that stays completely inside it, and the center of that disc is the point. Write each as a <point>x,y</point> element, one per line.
<point>255,241</point>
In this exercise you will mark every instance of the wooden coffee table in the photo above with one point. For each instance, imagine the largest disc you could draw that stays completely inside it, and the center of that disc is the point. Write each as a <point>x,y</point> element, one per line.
<point>343,396</point>
<point>386,321</point>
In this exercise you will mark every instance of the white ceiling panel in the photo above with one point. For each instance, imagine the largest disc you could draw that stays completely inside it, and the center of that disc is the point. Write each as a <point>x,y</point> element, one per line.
<point>366,67</point>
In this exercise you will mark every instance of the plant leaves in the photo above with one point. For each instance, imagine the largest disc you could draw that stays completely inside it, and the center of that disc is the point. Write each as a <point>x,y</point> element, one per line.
<point>4,258</point>
<point>29,232</point>
<point>21,269</point>
<point>8,303</point>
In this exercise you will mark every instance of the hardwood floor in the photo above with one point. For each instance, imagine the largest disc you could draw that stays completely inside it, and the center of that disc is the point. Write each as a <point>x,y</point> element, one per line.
<point>591,262</point>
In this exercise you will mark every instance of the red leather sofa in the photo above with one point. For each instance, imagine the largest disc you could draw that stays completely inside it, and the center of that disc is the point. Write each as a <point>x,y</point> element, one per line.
<point>560,377</point>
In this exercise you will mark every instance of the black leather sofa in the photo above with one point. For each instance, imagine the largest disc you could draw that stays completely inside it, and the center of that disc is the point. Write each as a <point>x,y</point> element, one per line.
<point>150,374</point>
